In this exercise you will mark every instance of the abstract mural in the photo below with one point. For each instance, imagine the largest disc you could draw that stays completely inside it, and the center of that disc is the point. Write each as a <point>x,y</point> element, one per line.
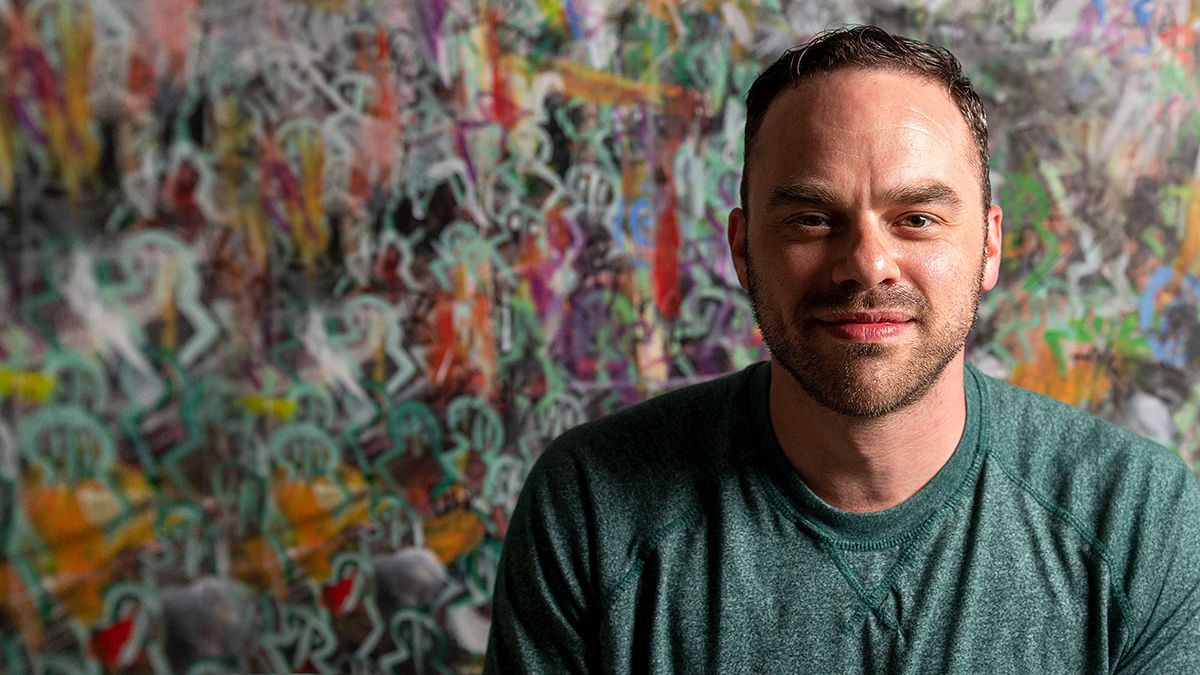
<point>293,292</point>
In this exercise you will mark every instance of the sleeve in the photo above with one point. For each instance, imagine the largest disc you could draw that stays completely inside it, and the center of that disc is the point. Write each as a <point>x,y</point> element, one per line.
<point>544,600</point>
<point>1166,625</point>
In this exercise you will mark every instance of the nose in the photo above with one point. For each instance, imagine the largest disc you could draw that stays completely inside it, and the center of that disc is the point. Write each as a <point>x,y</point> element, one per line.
<point>866,258</point>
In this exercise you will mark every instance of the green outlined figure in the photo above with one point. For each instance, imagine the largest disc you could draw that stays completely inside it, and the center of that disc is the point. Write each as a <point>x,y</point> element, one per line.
<point>473,425</point>
<point>66,444</point>
<point>416,435</point>
<point>549,417</point>
<point>393,524</point>
<point>158,265</point>
<point>505,476</point>
<point>128,628</point>
<point>108,322</point>
<point>79,380</point>
<point>81,508</point>
<point>156,409</point>
<point>304,451</point>
<point>350,592</point>
<point>334,364</point>
<point>711,316</point>
<point>293,187</point>
<point>463,246</point>
<point>314,404</point>
<point>374,330</point>
<point>316,499</point>
<point>304,639</point>
<point>183,540</point>
<point>419,639</point>
<point>10,477</point>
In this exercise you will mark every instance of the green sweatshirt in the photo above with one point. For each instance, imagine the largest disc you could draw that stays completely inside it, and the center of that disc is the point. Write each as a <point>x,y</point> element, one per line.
<point>674,536</point>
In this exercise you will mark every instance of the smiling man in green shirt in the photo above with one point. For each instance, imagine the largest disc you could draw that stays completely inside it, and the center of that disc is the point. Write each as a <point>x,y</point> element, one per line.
<point>864,502</point>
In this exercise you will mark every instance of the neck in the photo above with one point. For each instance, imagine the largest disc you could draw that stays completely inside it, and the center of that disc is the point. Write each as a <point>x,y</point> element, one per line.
<point>864,465</point>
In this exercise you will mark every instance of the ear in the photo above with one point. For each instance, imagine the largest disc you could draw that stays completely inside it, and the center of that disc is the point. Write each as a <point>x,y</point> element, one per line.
<point>994,238</point>
<point>736,234</point>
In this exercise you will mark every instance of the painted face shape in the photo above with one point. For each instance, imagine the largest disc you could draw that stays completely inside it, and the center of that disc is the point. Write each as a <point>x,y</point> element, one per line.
<point>864,252</point>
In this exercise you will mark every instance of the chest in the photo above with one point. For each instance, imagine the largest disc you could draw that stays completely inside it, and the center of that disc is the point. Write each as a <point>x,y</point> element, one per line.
<point>972,595</point>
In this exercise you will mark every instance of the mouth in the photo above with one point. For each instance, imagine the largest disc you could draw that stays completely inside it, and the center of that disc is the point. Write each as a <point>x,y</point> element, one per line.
<point>866,327</point>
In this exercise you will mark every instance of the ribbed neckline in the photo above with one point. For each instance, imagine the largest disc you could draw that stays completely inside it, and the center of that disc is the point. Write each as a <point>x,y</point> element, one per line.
<point>889,525</point>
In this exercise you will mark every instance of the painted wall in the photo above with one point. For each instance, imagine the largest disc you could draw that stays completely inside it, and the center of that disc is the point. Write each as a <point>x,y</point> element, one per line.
<point>292,293</point>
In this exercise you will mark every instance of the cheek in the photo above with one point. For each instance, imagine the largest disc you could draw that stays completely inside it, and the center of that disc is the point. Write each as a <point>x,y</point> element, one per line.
<point>800,265</point>
<point>943,273</point>
<point>941,266</point>
<point>944,262</point>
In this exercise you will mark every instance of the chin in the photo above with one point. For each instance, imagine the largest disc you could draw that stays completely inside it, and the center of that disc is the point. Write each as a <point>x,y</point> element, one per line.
<point>864,380</point>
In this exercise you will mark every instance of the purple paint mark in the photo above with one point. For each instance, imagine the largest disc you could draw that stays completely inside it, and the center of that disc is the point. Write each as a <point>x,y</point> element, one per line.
<point>26,121</point>
<point>460,144</point>
<point>431,13</point>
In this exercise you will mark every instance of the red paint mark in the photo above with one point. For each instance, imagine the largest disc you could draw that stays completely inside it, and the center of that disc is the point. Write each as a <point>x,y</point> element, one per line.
<point>667,296</point>
<point>558,232</point>
<point>504,110</point>
<point>500,518</point>
<point>141,81</point>
<point>334,595</point>
<point>387,267</point>
<point>441,354</point>
<point>107,642</point>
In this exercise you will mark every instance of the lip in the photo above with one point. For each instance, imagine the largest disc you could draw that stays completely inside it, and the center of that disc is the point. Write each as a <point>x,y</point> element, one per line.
<point>866,327</point>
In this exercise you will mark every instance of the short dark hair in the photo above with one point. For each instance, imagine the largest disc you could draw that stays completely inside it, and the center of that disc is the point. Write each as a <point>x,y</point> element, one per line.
<point>871,48</point>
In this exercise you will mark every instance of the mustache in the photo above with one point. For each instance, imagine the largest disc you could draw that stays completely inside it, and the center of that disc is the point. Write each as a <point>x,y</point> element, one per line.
<point>842,300</point>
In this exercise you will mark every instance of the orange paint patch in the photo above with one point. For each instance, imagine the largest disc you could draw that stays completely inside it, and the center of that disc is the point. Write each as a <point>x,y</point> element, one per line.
<point>1084,381</point>
<point>454,533</point>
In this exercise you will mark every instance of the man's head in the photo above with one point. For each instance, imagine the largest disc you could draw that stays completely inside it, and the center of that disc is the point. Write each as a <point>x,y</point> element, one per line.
<point>860,238</point>
<point>868,48</point>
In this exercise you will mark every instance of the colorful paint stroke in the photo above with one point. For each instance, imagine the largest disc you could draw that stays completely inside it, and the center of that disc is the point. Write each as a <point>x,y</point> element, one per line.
<point>295,291</point>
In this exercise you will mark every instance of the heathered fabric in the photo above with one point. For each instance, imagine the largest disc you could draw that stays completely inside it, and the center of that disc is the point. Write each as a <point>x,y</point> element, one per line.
<point>674,536</point>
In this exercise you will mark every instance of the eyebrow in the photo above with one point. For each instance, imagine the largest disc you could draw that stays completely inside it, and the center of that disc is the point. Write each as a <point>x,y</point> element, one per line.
<point>932,192</point>
<point>802,193</point>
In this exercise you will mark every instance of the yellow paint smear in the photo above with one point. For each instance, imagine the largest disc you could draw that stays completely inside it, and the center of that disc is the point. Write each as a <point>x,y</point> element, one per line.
<point>1187,261</point>
<point>599,86</point>
<point>276,408</point>
<point>28,386</point>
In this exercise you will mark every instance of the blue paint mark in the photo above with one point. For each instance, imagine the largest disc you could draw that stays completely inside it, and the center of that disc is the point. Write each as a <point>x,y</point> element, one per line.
<point>641,222</point>
<point>1163,350</point>
<point>1167,345</point>
<point>616,227</point>
<point>574,20</point>
<point>1098,5</point>
<point>1146,309</point>
<point>1142,11</point>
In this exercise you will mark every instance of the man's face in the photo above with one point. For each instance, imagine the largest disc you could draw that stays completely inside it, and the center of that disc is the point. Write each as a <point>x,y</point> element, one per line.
<point>865,250</point>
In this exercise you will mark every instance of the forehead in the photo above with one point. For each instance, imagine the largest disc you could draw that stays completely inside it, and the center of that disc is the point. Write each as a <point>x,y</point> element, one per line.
<point>854,120</point>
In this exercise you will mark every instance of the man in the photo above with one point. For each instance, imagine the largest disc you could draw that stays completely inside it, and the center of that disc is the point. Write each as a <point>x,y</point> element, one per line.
<point>864,502</point>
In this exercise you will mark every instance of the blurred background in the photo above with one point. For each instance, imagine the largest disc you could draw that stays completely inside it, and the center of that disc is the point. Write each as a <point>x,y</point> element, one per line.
<point>292,293</point>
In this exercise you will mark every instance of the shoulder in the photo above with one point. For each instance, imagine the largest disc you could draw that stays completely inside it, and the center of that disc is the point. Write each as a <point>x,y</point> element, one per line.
<point>675,431</point>
<point>1070,453</point>
<point>1127,492</point>
<point>629,478</point>
<point>1135,503</point>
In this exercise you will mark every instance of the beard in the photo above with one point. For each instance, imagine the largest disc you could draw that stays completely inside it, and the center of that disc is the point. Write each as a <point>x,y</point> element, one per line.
<point>864,380</point>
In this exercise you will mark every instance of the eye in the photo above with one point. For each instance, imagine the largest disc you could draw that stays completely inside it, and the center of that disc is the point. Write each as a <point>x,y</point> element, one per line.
<point>808,220</point>
<point>916,220</point>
